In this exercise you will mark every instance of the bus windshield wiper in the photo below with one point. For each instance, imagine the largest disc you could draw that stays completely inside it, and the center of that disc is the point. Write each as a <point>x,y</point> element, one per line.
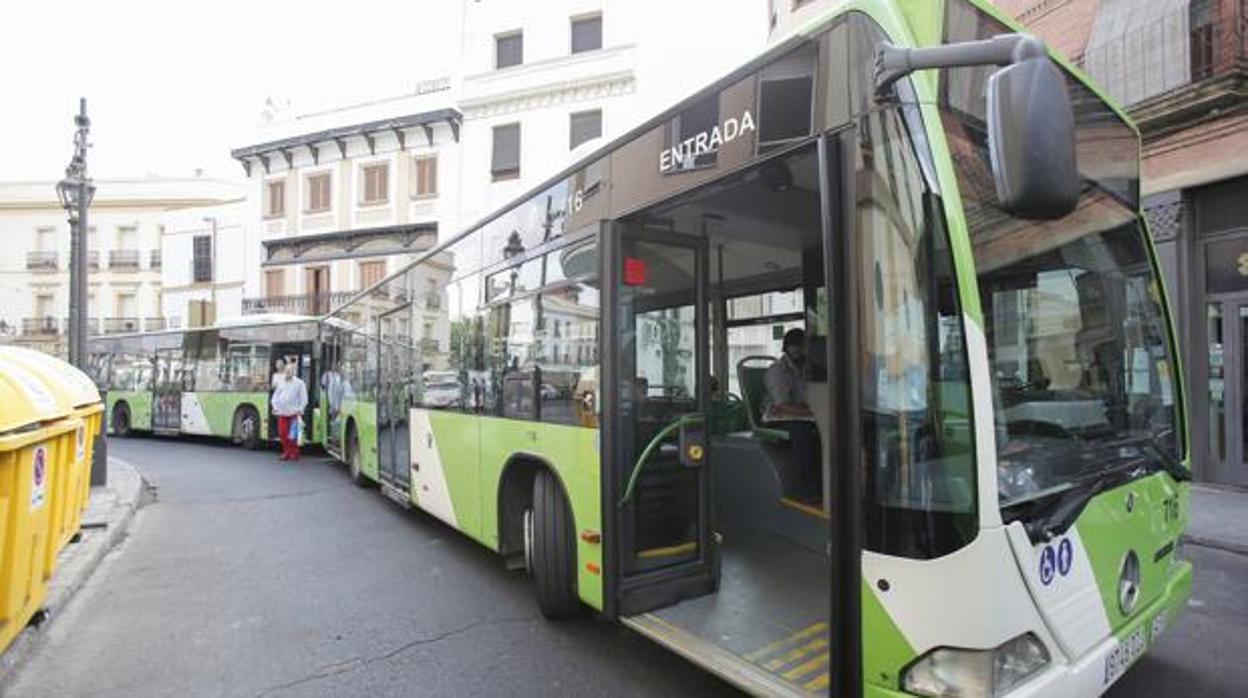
<point>1060,513</point>
<point>1149,441</point>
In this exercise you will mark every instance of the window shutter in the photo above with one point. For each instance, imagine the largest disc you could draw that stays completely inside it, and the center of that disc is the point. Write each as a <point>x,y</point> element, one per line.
<point>584,126</point>
<point>508,50</point>
<point>506,160</point>
<point>586,34</point>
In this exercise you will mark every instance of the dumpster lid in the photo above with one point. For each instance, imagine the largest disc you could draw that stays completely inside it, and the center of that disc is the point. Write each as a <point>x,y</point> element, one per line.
<point>64,378</point>
<point>26,398</point>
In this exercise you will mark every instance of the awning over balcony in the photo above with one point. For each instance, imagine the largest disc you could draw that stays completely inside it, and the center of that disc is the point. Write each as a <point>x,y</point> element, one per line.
<point>1140,49</point>
<point>343,244</point>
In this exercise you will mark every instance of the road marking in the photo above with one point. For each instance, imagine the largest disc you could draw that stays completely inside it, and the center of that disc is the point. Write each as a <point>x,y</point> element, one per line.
<point>803,634</point>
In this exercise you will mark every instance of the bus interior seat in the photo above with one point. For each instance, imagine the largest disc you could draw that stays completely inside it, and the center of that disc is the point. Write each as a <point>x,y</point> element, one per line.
<point>751,376</point>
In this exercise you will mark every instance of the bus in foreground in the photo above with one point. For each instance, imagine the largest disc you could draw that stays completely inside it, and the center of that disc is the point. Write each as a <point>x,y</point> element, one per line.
<point>581,381</point>
<point>208,381</point>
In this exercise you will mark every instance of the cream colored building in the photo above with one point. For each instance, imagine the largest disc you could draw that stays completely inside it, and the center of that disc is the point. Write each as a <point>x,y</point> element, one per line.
<point>344,197</point>
<point>129,222</point>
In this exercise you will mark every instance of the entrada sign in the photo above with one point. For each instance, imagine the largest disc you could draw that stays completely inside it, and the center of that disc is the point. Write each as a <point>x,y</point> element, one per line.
<point>705,142</point>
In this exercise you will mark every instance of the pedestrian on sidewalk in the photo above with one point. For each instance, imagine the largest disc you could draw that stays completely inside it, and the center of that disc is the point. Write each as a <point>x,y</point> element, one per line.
<point>290,398</point>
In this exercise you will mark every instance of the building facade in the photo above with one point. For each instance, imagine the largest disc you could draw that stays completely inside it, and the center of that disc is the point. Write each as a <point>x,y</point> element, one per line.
<point>128,225</point>
<point>342,198</point>
<point>541,83</point>
<point>211,262</point>
<point>1181,69</point>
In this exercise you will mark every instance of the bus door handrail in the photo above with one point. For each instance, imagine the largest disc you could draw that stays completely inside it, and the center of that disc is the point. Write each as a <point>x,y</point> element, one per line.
<point>651,447</point>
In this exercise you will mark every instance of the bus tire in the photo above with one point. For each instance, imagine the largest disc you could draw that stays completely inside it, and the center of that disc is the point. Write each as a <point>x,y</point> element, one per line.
<point>355,461</point>
<point>553,554</point>
<point>247,428</point>
<point>121,420</point>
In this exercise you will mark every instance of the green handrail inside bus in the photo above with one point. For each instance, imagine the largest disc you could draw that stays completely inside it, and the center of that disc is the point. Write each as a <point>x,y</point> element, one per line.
<point>651,447</point>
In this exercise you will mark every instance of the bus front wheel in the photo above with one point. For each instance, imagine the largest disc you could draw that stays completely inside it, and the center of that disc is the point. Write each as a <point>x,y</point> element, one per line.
<point>121,420</point>
<point>551,548</point>
<point>247,428</point>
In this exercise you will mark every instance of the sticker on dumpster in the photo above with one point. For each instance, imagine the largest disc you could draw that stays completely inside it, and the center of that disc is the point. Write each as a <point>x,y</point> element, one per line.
<point>82,444</point>
<point>39,479</point>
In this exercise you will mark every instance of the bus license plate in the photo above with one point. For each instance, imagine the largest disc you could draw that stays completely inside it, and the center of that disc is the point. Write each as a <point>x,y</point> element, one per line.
<point>1124,655</point>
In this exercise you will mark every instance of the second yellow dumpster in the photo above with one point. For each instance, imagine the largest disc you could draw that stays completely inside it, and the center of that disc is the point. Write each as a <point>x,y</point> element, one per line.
<point>73,387</point>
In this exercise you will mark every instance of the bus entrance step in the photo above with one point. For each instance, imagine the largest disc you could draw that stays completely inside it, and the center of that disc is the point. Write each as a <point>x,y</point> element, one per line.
<point>397,495</point>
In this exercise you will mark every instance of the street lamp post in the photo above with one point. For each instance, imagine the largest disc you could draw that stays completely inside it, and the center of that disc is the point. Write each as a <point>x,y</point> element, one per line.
<point>76,191</point>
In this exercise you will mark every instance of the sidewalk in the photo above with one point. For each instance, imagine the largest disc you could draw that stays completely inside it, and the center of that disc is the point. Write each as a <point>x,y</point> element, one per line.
<point>1219,518</point>
<point>103,525</point>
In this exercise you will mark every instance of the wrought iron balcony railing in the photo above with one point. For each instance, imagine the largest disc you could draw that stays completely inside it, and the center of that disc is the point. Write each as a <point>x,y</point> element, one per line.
<point>44,326</point>
<point>302,304</point>
<point>41,261</point>
<point>123,259</point>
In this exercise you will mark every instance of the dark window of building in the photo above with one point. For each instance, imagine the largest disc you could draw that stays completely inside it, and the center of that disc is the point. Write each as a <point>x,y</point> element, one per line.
<point>584,126</point>
<point>1202,14</point>
<point>201,262</point>
<point>586,34</point>
<point>505,163</point>
<point>508,50</point>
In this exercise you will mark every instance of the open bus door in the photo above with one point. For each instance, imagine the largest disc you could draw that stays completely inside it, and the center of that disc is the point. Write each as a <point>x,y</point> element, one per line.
<point>394,362</point>
<point>656,420</point>
<point>167,391</point>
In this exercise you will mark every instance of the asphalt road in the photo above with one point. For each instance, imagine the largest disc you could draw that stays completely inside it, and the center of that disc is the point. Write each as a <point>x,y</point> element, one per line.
<point>243,577</point>
<point>246,577</point>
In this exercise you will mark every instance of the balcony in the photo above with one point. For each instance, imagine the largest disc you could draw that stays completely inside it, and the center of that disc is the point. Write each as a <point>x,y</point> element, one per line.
<point>154,324</point>
<point>93,326</point>
<point>153,259</point>
<point>121,325</point>
<point>41,261</point>
<point>123,260</point>
<point>1177,69</point>
<point>40,327</point>
<point>93,259</point>
<point>305,304</point>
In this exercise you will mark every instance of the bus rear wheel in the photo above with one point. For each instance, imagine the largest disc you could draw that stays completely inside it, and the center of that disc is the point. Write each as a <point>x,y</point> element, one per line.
<point>550,543</point>
<point>121,420</point>
<point>355,461</point>
<point>247,428</point>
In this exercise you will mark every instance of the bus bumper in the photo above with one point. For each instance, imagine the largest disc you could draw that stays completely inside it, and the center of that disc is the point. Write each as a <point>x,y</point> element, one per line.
<point>1093,673</point>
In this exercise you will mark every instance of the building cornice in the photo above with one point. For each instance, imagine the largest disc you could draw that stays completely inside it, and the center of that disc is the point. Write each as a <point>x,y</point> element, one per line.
<point>313,142</point>
<point>575,90</point>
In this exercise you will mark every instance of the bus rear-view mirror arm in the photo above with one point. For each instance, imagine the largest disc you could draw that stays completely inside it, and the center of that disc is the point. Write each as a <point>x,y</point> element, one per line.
<point>1031,123</point>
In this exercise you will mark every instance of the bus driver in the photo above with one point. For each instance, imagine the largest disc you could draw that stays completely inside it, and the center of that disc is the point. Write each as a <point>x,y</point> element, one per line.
<point>785,408</point>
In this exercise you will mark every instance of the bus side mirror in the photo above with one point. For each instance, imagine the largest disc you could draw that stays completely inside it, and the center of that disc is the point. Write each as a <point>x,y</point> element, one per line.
<point>1031,140</point>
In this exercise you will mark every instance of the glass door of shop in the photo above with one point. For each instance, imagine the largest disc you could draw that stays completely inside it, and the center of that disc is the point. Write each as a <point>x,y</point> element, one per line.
<point>1226,433</point>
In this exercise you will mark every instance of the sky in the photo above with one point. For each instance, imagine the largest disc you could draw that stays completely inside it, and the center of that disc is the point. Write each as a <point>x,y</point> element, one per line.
<point>172,86</point>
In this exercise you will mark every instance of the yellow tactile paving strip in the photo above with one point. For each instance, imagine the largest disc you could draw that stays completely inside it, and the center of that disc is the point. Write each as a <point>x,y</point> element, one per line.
<point>801,658</point>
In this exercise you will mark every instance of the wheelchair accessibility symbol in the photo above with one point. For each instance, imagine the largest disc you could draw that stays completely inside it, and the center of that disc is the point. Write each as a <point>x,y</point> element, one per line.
<point>1056,561</point>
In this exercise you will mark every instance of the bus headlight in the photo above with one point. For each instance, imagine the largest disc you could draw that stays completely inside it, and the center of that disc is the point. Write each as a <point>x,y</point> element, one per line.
<point>949,671</point>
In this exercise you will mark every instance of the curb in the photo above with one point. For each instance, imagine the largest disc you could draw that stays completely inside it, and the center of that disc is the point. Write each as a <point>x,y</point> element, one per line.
<point>75,567</point>
<point>1216,544</point>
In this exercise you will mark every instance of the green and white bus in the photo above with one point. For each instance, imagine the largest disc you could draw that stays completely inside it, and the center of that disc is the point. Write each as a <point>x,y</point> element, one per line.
<point>578,381</point>
<point>209,381</point>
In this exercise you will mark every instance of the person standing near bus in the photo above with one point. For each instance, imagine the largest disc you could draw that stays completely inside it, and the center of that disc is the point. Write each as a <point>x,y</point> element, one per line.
<point>290,399</point>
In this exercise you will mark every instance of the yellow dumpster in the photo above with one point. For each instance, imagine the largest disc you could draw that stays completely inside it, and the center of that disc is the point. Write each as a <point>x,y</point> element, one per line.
<point>75,388</point>
<point>36,442</point>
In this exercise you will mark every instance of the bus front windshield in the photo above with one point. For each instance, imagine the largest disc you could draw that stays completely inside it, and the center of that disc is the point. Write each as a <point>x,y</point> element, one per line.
<point>1082,372</point>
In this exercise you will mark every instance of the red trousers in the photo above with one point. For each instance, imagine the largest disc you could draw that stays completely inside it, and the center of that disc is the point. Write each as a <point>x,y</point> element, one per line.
<point>290,447</point>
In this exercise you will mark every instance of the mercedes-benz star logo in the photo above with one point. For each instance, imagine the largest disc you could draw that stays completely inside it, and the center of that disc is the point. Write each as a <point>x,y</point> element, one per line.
<point>1129,583</point>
